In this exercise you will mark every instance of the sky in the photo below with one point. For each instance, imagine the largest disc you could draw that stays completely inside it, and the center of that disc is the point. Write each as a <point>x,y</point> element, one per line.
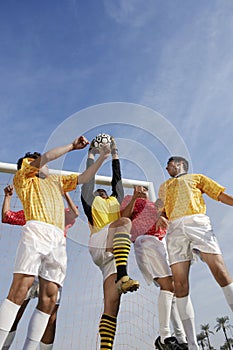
<point>158,76</point>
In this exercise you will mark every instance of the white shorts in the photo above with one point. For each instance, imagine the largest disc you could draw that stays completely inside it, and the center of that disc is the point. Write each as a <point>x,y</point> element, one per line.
<point>33,292</point>
<point>151,257</point>
<point>42,252</point>
<point>188,236</point>
<point>97,248</point>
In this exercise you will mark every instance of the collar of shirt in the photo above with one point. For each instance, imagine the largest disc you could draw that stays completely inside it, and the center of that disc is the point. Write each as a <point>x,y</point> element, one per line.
<point>181,174</point>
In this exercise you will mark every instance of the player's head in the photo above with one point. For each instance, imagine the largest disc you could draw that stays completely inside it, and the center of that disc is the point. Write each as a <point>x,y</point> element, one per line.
<point>142,191</point>
<point>33,155</point>
<point>177,165</point>
<point>101,192</point>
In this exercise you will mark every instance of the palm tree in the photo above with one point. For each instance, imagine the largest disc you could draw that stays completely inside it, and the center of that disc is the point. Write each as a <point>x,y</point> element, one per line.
<point>201,339</point>
<point>206,329</point>
<point>223,323</point>
<point>225,346</point>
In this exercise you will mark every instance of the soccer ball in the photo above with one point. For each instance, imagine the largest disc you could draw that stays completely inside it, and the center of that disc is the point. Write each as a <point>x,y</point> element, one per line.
<point>101,140</point>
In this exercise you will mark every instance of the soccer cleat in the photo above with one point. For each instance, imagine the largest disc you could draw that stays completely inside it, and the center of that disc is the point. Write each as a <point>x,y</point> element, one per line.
<point>126,284</point>
<point>170,343</point>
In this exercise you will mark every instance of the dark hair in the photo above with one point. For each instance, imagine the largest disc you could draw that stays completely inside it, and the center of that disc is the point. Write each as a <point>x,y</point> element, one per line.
<point>33,155</point>
<point>178,159</point>
<point>96,193</point>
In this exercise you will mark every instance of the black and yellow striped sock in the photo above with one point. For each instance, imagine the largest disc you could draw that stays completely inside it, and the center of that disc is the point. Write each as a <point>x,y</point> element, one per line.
<point>107,330</point>
<point>121,249</point>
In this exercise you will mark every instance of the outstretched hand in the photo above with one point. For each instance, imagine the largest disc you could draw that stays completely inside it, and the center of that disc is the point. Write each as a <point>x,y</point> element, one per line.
<point>80,143</point>
<point>113,143</point>
<point>105,151</point>
<point>93,149</point>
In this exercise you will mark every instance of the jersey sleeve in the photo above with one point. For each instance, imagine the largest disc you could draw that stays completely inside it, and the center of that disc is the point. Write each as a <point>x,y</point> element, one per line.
<point>14,218</point>
<point>117,187</point>
<point>210,187</point>
<point>87,196</point>
<point>69,182</point>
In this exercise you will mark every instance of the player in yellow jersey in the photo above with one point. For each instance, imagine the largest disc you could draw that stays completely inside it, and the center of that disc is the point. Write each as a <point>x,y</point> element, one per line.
<point>190,233</point>
<point>42,248</point>
<point>17,218</point>
<point>109,244</point>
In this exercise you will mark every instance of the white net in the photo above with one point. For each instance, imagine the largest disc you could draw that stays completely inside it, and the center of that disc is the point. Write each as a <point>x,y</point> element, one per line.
<point>82,297</point>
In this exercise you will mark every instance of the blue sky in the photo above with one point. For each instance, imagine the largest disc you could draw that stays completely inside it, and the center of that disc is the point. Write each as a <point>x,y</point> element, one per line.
<point>155,74</point>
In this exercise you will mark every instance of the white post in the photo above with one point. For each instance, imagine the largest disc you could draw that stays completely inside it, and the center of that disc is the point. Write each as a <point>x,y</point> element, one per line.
<point>99,179</point>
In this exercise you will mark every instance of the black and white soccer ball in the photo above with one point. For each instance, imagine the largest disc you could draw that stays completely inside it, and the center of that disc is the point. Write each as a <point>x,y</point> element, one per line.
<point>101,140</point>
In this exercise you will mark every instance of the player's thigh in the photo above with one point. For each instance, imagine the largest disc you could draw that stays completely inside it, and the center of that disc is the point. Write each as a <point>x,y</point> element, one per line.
<point>19,287</point>
<point>218,268</point>
<point>48,291</point>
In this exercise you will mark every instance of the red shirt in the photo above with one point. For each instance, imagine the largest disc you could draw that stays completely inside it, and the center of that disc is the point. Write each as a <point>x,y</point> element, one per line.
<point>144,218</point>
<point>18,218</point>
<point>14,218</point>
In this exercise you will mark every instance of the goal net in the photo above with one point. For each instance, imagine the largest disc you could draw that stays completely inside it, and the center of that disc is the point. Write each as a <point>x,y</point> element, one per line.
<point>82,296</point>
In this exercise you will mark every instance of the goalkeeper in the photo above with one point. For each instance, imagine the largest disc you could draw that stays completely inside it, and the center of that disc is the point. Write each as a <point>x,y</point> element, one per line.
<point>109,243</point>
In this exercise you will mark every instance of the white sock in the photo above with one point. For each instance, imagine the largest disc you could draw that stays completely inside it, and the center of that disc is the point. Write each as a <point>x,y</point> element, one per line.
<point>9,340</point>
<point>8,312</point>
<point>164,312</point>
<point>228,292</point>
<point>44,346</point>
<point>185,308</point>
<point>36,328</point>
<point>177,323</point>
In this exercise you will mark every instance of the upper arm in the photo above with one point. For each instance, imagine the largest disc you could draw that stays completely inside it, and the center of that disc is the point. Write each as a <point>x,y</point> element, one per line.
<point>87,196</point>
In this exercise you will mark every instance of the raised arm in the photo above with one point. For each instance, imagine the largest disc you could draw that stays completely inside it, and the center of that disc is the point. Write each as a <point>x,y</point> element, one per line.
<point>6,205</point>
<point>128,207</point>
<point>117,187</point>
<point>92,169</point>
<point>8,216</point>
<point>87,196</point>
<point>79,143</point>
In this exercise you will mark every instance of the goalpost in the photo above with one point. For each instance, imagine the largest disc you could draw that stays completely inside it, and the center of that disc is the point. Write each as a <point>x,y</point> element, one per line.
<point>99,179</point>
<point>82,297</point>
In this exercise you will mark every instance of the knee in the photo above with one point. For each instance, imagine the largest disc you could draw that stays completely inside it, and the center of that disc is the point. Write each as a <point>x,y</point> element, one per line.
<point>122,222</point>
<point>47,304</point>
<point>181,288</point>
<point>223,278</point>
<point>18,295</point>
<point>166,284</point>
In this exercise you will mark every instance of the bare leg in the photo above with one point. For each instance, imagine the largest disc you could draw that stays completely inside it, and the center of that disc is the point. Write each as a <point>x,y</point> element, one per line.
<point>108,321</point>
<point>10,306</point>
<point>219,271</point>
<point>180,273</point>
<point>49,334</point>
<point>39,320</point>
